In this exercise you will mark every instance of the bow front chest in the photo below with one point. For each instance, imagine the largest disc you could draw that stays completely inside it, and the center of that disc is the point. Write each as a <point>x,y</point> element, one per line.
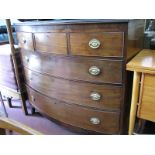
<point>75,69</point>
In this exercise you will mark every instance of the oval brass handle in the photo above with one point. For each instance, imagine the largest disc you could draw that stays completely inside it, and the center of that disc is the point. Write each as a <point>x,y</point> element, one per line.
<point>95,120</point>
<point>26,58</point>
<point>94,43</point>
<point>33,98</point>
<point>93,70</point>
<point>95,96</point>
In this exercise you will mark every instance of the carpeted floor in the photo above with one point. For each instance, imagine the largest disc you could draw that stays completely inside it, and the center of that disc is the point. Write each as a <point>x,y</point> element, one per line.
<point>36,121</point>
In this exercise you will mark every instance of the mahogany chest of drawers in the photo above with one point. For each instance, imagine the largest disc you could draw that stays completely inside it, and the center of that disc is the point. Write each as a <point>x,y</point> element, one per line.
<point>75,69</point>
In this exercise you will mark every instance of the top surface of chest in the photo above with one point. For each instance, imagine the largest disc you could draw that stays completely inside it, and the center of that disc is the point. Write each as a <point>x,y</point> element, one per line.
<point>99,38</point>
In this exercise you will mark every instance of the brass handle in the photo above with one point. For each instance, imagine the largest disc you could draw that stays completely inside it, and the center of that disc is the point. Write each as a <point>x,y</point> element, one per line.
<point>93,70</point>
<point>95,96</point>
<point>26,58</point>
<point>33,98</point>
<point>94,43</point>
<point>95,120</point>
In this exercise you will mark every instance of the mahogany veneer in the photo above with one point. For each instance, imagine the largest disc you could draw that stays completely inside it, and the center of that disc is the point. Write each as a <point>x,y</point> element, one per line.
<point>75,69</point>
<point>111,44</point>
<point>75,115</point>
<point>66,67</point>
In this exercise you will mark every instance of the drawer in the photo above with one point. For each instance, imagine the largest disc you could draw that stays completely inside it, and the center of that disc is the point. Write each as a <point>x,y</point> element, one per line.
<point>86,94</point>
<point>51,42</point>
<point>99,121</point>
<point>104,44</point>
<point>85,69</point>
<point>146,109</point>
<point>25,40</point>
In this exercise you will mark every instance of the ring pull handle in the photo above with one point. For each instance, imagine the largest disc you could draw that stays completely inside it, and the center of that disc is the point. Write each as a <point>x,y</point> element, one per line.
<point>95,120</point>
<point>95,96</point>
<point>94,43</point>
<point>93,70</point>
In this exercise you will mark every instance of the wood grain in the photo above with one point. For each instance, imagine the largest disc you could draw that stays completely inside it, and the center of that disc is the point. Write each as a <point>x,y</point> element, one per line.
<point>79,27</point>
<point>111,44</point>
<point>25,40</point>
<point>143,62</point>
<point>75,92</point>
<point>74,68</point>
<point>51,42</point>
<point>65,74</point>
<point>75,115</point>
<point>134,101</point>
<point>147,106</point>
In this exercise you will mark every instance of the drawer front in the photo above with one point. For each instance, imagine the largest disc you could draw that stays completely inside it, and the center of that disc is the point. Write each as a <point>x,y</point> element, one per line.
<point>91,70</point>
<point>25,40</point>
<point>86,94</point>
<point>104,44</point>
<point>99,121</point>
<point>146,108</point>
<point>51,42</point>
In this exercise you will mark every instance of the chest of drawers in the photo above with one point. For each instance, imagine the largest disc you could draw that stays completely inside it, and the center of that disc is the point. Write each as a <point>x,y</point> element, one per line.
<point>75,69</point>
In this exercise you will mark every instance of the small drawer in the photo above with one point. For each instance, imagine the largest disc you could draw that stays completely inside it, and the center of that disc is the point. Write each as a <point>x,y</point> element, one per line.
<point>85,69</point>
<point>25,40</point>
<point>94,120</point>
<point>80,93</point>
<point>51,43</point>
<point>104,44</point>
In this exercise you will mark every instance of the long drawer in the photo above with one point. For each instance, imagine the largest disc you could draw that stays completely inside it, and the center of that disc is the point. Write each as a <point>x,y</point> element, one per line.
<point>85,69</point>
<point>99,121</point>
<point>86,94</point>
